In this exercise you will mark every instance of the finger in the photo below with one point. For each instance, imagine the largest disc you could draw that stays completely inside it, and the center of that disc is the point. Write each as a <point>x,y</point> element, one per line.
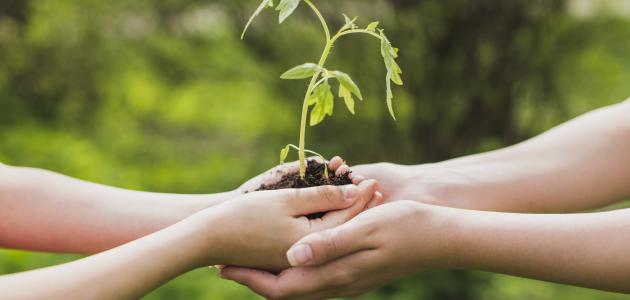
<point>335,163</point>
<point>270,177</point>
<point>343,169</point>
<point>377,200</point>
<point>356,179</point>
<point>261,282</point>
<point>288,284</point>
<point>316,159</point>
<point>335,279</point>
<point>328,245</point>
<point>338,217</point>
<point>325,198</point>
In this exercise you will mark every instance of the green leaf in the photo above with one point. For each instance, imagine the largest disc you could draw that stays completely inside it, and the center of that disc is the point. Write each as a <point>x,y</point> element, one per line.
<point>390,95</point>
<point>317,93</point>
<point>317,114</point>
<point>347,82</point>
<point>372,26</point>
<point>323,100</point>
<point>284,153</point>
<point>264,4</point>
<point>328,100</point>
<point>390,54</point>
<point>302,71</point>
<point>349,23</point>
<point>286,8</point>
<point>347,98</point>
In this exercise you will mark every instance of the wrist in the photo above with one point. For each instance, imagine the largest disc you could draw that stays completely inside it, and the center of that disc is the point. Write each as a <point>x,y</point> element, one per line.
<point>202,235</point>
<point>445,231</point>
<point>439,184</point>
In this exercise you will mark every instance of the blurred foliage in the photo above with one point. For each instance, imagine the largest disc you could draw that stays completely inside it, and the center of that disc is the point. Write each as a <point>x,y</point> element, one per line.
<point>162,95</point>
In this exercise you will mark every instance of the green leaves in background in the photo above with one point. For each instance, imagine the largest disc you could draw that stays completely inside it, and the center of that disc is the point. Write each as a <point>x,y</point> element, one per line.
<point>322,98</point>
<point>390,54</point>
<point>264,4</point>
<point>302,71</point>
<point>286,8</point>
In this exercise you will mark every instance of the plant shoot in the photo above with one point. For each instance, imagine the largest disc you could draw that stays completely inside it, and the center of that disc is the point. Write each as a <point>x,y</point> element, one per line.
<point>319,97</point>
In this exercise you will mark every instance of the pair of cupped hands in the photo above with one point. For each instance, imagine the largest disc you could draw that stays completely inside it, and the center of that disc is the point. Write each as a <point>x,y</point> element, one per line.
<point>264,241</point>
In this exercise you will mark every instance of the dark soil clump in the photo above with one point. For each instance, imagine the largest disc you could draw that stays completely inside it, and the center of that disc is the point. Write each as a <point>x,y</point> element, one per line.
<point>314,177</point>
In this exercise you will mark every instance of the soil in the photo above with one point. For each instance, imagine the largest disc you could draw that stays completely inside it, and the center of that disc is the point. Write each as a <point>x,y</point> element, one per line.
<point>314,177</point>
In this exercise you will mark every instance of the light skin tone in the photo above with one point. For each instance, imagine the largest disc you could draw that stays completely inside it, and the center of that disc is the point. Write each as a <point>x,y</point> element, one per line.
<point>579,165</point>
<point>576,166</point>
<point>233,232</point>
<point>46,211</point>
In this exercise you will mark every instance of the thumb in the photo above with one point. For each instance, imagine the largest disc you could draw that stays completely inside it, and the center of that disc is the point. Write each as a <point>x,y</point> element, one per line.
<point>328,245</point>
<point>327,198</point>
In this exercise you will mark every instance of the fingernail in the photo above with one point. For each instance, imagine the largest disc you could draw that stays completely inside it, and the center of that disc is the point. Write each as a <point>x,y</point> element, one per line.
<point>350,191</point>
<point>300,255</point>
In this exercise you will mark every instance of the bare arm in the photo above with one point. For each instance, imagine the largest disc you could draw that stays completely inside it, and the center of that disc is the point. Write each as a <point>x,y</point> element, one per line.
<point>401,238</point>
<point>579,165</point>
<point>132,270</point>
<point>589,250</point>
<point>45,211</point>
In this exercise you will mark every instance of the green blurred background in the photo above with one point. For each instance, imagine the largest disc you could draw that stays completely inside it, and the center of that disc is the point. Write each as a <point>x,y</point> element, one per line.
<point>161,95</point>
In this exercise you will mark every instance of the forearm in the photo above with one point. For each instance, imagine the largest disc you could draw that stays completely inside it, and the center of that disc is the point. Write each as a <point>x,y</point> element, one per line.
<point>579,165</point>
<point>44,211</point>
<point>589,250</point>
<point>127,272</point>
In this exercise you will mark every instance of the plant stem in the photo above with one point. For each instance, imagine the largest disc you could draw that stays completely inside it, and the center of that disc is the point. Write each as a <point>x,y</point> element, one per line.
<point>322,60</point>
<point>321,19</point>
<point>309,90</point>
<point>340,34</point>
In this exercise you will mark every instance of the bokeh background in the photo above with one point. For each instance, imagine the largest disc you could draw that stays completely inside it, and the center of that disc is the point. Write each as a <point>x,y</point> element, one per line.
<point>162,95</point>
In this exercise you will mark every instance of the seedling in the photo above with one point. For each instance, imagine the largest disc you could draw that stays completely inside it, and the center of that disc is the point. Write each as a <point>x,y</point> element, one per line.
<point>319,93</point>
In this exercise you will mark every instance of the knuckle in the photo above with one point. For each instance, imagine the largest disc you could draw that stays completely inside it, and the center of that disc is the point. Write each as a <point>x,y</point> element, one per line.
<point>343,278</point>
<point>330,242</point>
<point>329,193</point>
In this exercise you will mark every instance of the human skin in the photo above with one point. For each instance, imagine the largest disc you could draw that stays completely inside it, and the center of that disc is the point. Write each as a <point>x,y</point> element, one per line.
<point>242,231</point>
<point>46,211</point>
<point>579,165</point>
<point>400,238</point>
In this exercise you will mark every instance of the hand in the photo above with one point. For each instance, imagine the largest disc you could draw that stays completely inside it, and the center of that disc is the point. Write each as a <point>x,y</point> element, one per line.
<point>445,184</point>
<point>256,229</point>
<point>274,175</point>
<point>376,247</point>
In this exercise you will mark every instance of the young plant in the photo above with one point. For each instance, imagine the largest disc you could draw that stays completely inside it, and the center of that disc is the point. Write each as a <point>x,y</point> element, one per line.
<point>319,93</point>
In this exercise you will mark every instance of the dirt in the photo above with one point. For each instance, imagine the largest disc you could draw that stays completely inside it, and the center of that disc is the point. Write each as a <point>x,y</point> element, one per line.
<point>314,177</point>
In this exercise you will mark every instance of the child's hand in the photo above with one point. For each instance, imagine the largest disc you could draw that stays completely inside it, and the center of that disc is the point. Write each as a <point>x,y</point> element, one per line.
<point>256,229</point>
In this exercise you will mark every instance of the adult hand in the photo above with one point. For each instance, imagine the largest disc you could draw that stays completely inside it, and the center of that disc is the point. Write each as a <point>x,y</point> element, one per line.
<point>257,229</point>
<point>378,246</point>
<point>439,183</point>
